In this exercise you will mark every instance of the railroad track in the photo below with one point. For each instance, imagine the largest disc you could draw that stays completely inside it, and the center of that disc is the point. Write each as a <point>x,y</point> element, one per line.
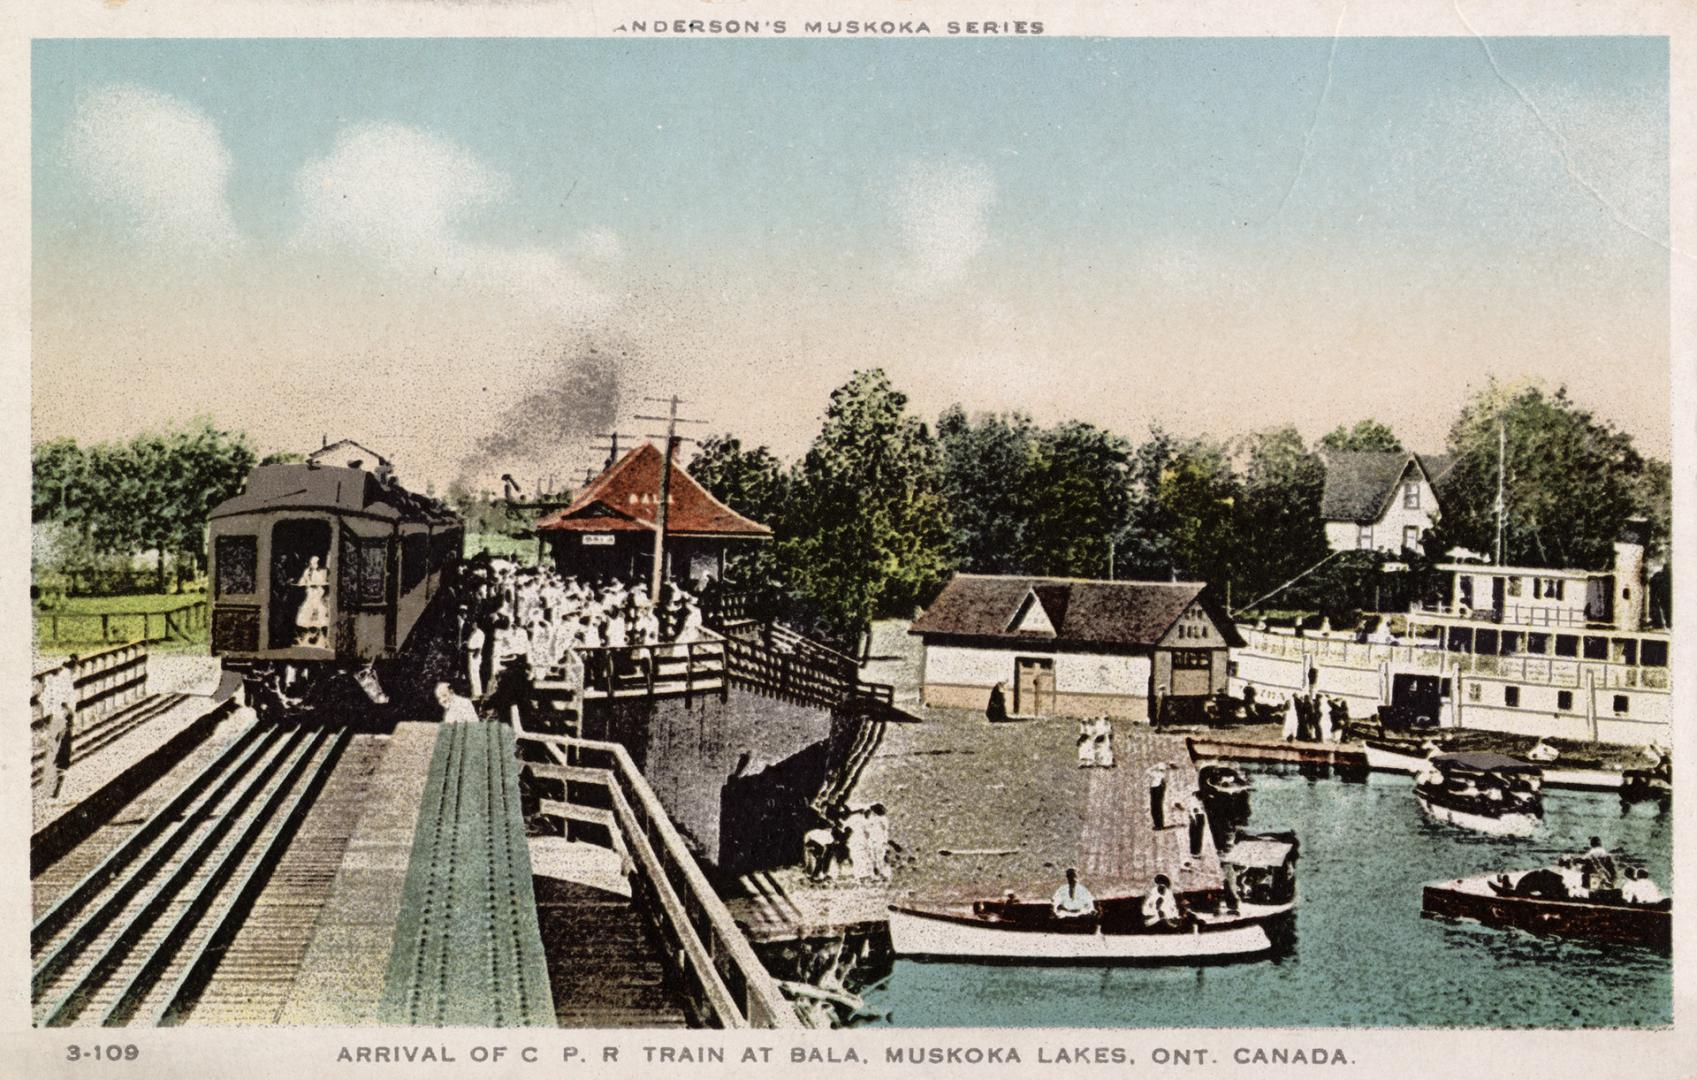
<point>137,937</point>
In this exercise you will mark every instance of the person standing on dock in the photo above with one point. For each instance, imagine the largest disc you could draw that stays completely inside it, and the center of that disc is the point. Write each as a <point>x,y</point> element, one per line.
<point>1196,815</point>
<point>877,827</point>
<point>1072,900</point>
<point>1103,745</point>
<point>1293,721</point>
<point>59,707</point>
<point>1157,777</point>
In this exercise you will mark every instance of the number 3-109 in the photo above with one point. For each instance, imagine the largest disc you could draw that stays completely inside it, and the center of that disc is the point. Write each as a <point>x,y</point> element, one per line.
<point>109,1052</point>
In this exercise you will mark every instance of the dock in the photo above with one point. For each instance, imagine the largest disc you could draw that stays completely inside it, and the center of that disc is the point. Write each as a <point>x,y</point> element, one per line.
<point>980,809</point>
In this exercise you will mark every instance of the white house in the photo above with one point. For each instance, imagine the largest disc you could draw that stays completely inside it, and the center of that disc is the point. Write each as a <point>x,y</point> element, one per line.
<point>1072,647</point>
<point>347,454</point>
<point>1381,501</point>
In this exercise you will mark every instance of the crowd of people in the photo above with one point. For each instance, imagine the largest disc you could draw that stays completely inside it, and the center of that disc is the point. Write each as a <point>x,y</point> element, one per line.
<point>1096,742</point>
<point>533,616</point>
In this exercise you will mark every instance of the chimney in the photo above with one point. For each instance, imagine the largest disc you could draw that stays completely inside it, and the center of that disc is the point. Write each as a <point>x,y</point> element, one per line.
<point>1629,594</point>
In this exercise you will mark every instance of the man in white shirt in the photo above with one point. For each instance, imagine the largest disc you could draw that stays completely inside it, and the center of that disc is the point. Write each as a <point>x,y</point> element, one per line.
<point>1072,900</point>
<point>1160,905</point>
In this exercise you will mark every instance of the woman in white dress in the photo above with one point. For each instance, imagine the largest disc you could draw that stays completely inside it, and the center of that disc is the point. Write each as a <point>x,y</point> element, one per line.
<point>1292,720</point>
<point>312,621</point>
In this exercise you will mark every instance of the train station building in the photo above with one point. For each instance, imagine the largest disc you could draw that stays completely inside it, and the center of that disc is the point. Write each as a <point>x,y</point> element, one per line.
<point>608,530</point>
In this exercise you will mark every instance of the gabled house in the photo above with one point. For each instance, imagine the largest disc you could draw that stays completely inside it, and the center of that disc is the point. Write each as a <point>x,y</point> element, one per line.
<point>347,454</point>
<point>1072,647</point>
<point>1382,501</point>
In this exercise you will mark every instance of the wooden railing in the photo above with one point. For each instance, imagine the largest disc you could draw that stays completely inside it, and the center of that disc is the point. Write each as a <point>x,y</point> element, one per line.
<point>105,680</point>
<point>186,622</point>
<point>724,983</point>
<point>1515,615</point>
<point>1431,656</point>
<point>668,670</point>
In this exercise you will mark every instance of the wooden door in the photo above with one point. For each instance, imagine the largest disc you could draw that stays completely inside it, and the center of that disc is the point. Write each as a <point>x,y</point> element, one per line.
<point>1034,686</point>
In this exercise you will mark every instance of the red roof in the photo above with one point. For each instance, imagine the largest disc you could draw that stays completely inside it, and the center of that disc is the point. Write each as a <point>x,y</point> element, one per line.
<point>624,499</point>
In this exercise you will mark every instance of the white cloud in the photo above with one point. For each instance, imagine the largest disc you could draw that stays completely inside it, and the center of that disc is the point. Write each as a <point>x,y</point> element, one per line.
<point>941,209</point>
<point>160,159</point>
<point>601,244</point>
<point>401,197</point>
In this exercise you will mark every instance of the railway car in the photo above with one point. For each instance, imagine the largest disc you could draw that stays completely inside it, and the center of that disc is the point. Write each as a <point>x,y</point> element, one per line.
<point>319,569</point>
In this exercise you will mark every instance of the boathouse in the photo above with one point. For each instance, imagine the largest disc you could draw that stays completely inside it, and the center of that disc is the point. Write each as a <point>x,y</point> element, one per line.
<point>608,530</point>
<point>1064,646</point>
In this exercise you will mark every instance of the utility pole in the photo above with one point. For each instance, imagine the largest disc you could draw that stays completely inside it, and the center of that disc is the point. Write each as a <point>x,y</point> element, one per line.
<point>612,446</point>
<point>663,510</point>
<point>1502,451</point>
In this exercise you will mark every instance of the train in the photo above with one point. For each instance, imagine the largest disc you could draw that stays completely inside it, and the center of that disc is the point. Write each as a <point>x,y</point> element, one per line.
<point>325,569</point>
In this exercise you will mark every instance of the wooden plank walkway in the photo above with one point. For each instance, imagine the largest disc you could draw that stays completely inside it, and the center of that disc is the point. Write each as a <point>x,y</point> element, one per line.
<point>340,982</point>
<point>980,809</point>
<point>604,966</point>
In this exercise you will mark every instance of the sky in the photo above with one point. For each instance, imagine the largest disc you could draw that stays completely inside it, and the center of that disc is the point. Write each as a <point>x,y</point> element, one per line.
<point>474,255</point>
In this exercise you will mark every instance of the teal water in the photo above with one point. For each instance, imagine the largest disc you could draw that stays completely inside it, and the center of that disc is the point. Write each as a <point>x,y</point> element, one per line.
<point>1364,956</point>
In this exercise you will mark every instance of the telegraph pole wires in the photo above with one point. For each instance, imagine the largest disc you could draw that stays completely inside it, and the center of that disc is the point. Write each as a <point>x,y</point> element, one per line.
<point>663,509</point>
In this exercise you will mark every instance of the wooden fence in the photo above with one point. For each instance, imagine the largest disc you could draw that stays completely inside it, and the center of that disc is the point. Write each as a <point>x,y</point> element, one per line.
<point>186,622</point>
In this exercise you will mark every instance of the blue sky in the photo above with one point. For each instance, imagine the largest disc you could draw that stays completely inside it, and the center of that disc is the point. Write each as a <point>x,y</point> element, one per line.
<point>1131,218</point>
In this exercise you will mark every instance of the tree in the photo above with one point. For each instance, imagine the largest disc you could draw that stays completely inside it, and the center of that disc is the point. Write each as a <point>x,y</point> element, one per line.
<point>153,492</point>
<point>870,530</point>
<point>1569,480</point>
<point>1367,434</point>
<point>754,483</point>
<point>1198,497</point>
<point>1078,500</point>
<point>757,485</point>
<point>984,465</point>
<point>57,471</point>
<point>1282,484</point>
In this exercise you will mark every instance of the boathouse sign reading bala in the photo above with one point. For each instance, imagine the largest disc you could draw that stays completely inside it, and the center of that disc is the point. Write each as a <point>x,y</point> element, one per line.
<point>1062,646</point>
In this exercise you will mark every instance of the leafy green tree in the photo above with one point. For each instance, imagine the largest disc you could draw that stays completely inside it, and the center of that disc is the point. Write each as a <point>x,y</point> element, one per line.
<point>1282,484</point>
<point>754,482</point>
<point>58,470</point>
<point>870,532</point>
<point>1367,434</point>
<point>1078,499</point>
<point>1569,479</point>
<point>985,463</point>
<point>1198,495</point>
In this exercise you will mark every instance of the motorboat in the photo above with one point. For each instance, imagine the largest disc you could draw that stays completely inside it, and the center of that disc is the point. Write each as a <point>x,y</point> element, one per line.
<point>1524,901</point>
<point>1249,917</point>
<point>1225,791</point>
<point>1482,791</point>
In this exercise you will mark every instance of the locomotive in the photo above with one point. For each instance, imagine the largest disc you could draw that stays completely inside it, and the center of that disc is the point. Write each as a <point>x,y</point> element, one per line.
<point>321,570</point>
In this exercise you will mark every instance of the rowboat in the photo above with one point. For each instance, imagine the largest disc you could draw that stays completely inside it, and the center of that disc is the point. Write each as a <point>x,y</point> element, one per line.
<point>1010,930</point>
<point>1484,792</point>
<point>1030,932</point>
<point>1476,900</point>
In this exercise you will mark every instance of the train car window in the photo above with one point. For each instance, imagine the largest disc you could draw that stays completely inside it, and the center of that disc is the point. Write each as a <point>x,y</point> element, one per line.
<point>415,559</point>
<point>363,565</point>
<point>237,559</point>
